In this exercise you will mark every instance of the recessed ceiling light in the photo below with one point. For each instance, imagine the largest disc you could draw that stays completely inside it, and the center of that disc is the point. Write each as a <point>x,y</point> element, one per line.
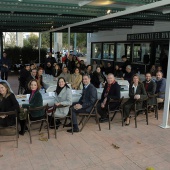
<point>20,0</point>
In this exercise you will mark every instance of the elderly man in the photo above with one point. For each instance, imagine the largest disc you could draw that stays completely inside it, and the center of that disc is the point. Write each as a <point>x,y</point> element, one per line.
<point>160,86</point>
<point>111,91</point>
<point>65,74</point>
<point>86,102</point>
<point>128,75</point>
<point>150,87</point>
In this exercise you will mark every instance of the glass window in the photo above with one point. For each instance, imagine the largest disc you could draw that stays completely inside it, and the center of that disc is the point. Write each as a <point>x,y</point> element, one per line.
<point>108,51</point>
<point>141,52</point>
<point>120,51</point>
<point>96,50</point>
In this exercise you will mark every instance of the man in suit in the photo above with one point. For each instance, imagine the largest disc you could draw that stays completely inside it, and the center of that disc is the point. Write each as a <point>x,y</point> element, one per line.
<point>150,87</point>
<point>111,91</point>
<point>160,86</point>
<point>86,102</point>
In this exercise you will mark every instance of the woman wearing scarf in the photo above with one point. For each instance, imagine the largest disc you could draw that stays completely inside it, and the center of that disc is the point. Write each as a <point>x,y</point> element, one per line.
<point>98,78</point>
<point>111,91</point>
<point>35,100</point>
<point>63,98</point>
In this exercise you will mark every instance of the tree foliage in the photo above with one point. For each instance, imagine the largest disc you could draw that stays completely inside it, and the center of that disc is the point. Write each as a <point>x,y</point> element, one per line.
<point>32,41</point>
<point>81,41</point>
<point>25,54</point>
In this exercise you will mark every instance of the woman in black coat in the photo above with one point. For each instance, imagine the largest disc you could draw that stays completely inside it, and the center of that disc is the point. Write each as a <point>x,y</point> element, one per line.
<point>98,78</point>
<point>8,103</point>
<point>56,71</point>
<point>136,92</point>
<point>35,100</point>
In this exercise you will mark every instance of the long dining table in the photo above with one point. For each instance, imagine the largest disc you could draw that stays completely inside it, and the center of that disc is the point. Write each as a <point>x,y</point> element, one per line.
<point>49,98</point>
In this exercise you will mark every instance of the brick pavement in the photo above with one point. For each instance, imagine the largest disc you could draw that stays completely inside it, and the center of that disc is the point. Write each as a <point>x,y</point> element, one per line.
<point>91,149</point>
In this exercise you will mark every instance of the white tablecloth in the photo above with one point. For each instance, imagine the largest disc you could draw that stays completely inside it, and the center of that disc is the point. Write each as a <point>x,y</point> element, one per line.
<point>76,94</point>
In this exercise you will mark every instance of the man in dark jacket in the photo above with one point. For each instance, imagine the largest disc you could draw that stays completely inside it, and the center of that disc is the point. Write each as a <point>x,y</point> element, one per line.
<point>160,86</point>
<point>5,64</point>
<point>126,62</point>
<point>109,68</point>
<point>32,76</point>
<point>50,59</point>
<point>111,91</point>
<point>85,103</point>
<point>24,74</point>
<point>150,87</point>
<point>71,64</point>
<point>49,69</point>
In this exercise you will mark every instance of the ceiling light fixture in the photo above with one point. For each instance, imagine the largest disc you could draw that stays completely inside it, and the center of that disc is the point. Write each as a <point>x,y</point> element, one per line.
<point>166,11</point>
<point>82,3</point>
<point>108,11</point>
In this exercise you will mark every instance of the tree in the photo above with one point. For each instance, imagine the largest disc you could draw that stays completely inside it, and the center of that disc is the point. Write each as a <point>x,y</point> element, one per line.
<point>45,40</point>
<point>32,41</point>
<point>9,39</point>
<point>81,41</point>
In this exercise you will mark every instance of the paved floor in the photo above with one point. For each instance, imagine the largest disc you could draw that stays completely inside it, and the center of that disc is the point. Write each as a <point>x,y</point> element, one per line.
<point>91,149</point>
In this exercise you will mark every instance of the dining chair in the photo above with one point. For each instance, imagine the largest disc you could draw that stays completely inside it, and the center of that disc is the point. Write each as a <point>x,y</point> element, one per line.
<point>86,116</point>
<point>117,109</point>
<point>15,127</point>
<point>68,116</point>
<point>42,119</point>
<point>138,111</point>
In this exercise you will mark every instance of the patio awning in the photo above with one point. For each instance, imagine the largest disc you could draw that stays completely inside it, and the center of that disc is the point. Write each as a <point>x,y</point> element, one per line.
<point>43,15</point>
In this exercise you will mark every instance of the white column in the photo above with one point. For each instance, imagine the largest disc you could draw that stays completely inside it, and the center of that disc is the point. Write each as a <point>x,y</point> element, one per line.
<point>39,47</point>
<point>68,40</point>
<point>167,96</point>
<point>19,39</point>
<point>75,43</point>
<point>88,56</point>
<point>55,44</point>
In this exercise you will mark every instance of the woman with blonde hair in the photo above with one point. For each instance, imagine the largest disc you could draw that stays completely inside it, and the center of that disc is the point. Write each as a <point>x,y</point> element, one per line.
<point>8,103</point>
<point>35,100</point>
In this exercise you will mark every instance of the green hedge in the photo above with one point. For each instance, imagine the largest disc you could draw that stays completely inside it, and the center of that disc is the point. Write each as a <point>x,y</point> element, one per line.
<point>26,54</point>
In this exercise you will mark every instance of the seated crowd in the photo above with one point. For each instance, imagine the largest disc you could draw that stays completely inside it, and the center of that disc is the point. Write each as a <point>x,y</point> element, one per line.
<point>87,78</point>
